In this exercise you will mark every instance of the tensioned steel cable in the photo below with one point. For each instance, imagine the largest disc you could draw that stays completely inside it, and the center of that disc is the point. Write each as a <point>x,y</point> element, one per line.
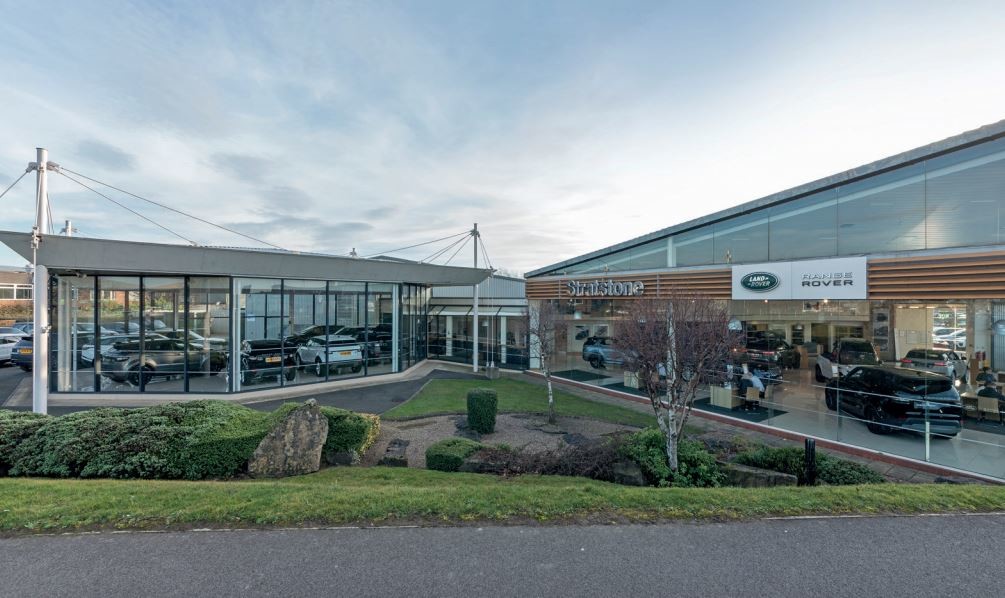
<point>485,252</point>
<point>464,244</point>
<point>441,252</point>
<point>11,186</point>
<point>418,245</point>
<point>169,208</point>
<point>157,224</point>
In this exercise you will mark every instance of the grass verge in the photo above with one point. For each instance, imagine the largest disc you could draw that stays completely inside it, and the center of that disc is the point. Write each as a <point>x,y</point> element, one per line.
<point>449,396</point>
<point>380,495</point>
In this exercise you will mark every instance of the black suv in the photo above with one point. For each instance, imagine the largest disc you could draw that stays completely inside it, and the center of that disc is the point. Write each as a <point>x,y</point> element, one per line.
<point>772,349</point>
<point>890,398</point>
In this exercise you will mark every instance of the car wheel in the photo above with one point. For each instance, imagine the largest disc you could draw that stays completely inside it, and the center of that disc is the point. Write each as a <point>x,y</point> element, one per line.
<point>290,373</point>
<point>595,362</point>
<point>356,368</point>
<point>820,374</point>
<point>875,416</point>
<point>246,374</point>
<point>26,368</point>
<point>830,399</point>
<point>319,369</point>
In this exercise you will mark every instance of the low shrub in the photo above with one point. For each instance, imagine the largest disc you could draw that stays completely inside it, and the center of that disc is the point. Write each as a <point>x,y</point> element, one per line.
<point>482,406</point>
<point>15,426</point>
<point>696,467</point>
<point>349,432</point>
<point>220,446</point>
<point>791,460</point>
<point>448,454</point>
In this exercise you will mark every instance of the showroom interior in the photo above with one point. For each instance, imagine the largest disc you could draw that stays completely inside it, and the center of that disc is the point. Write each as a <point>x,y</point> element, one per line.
<point>906,253</point>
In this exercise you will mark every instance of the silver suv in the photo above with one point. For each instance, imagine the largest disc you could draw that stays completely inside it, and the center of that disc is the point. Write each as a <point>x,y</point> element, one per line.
<point>948,363</point>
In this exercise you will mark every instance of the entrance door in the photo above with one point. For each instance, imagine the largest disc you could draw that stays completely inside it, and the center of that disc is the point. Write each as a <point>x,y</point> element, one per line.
<point>821,334</point>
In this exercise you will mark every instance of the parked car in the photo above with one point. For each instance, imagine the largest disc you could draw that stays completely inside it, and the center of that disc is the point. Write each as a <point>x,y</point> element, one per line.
<point>770,348</point>
<point>847,353</point>
<point>370,340</point>
<point>600,351</point>
<point>86,358</point>
<point>267,357</point>
<point>891,398</point>
<point>160,357</point>
<point>332,353</point>
<point>21,353</point>
<point>214,342</point>
<point>948,363</point>
<point>25,327</point>
<point>955,341</point>
<point>7,342</point>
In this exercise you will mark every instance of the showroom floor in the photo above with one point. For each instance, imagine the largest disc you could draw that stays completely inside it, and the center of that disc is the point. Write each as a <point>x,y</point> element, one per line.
<point>798,405</point>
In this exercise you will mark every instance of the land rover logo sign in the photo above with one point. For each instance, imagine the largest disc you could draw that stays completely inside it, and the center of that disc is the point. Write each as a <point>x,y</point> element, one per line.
<point>606,288</point>
<point>759,282</point>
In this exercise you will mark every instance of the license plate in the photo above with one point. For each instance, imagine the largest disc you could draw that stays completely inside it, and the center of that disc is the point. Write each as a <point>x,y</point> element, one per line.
<point>25,351</point>
<point>345,353</point>
<point>272,359</point>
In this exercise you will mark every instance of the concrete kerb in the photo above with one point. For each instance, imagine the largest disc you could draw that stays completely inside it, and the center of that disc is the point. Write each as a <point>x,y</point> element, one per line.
<point>869,455</point>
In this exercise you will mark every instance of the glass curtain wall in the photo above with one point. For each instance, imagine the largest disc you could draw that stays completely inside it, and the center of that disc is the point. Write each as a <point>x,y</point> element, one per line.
<point>174,334</point>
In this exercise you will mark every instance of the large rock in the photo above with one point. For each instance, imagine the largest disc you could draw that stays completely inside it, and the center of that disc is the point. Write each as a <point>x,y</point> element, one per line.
<point>293,446</point>
<point>396,454</point>
<point>755,477</point>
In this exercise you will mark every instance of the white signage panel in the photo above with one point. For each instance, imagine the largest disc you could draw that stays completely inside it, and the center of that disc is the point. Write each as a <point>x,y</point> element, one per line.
<point>837,278</point>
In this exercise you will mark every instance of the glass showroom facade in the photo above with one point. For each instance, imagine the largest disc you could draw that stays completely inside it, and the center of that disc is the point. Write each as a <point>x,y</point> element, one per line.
<point>905,257</point>
<point>199,334</point>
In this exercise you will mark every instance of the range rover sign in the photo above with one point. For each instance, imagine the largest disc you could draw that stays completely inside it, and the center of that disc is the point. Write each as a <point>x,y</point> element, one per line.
<point>835,278</point>
<point>759,282</point>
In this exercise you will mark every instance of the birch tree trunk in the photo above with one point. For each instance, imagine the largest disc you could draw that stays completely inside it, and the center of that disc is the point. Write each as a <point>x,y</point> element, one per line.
<point>551,398</point>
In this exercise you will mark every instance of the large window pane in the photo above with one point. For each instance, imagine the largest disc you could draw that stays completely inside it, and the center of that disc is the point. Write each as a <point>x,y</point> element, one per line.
<point>804,228</point>
<point>379,321</point>
<point>209,334</point>
<point>305,309</point>
<point>742,239</point>
<point>693,248</point>
<point>263,355</point>
<point>351,343</point>
<point>73,330</point>
<point>965,197</point>
<point>883,213</point>
<point>165,356</point>
<point>118,351</point>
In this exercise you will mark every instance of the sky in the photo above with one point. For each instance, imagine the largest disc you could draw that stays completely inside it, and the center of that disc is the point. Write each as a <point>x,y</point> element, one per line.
<point>559,127</point>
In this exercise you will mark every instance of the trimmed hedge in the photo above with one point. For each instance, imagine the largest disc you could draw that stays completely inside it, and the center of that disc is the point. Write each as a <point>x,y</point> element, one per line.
<point>696,467</point>
<point>830,470</point>
<point>482,406</point>
<point>448,454</point>
<point>193,440</point>
<point>349,433</point>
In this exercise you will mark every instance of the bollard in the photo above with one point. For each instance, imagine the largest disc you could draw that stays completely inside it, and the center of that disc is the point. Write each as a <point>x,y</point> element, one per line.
<point>810,462</point>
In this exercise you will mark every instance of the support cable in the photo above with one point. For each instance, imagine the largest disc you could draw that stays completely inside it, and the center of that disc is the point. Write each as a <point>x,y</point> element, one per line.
<point>463,245</point>
<point>157,224</point>
<point>11,186</point>
<point>485,252</point>
<point>169,208</point>
<point>417,245</point>
<point>441,252</point>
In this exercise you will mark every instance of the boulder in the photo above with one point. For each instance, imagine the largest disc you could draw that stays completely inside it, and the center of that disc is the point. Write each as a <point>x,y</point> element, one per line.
<point>755,477</point>
<point>395,455</point>
<point>293,446</point>
<point>628,473</point>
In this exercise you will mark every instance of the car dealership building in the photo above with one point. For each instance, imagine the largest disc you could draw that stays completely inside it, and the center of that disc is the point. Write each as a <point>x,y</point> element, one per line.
<point>907,252</point>
<point>172,321</point>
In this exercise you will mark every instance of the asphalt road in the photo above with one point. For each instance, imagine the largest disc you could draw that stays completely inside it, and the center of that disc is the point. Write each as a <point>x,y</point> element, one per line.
<point>896,556</point>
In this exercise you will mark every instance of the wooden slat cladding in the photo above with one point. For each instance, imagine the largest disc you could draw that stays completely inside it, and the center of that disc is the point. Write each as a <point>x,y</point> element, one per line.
<point>715,283</point>
<point>970,276</point>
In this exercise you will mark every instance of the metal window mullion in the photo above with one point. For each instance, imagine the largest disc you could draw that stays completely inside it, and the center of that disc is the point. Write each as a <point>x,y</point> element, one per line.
<point>143,340</point>
<point>184,333</point>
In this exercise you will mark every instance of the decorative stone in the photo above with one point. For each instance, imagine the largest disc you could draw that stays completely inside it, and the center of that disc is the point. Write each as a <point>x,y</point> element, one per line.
<point>293,446</point>
<point>755,477</point>
<point>628,473</point>
<point>344,458</point>
<point>476,463</point>
<point>395,455</point>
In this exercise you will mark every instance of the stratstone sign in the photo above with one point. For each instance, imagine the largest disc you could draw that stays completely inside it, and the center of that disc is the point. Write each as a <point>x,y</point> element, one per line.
<point>606,288</point>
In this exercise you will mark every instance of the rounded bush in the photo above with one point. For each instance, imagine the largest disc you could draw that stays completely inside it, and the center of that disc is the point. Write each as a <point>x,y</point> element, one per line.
<point>696,467</point>
<point>482,406</point>
<point>791,460</point>
<point>449,454</point>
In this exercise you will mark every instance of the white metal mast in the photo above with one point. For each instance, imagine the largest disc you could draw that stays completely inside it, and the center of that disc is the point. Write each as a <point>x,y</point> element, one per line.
<point>40,294</point>
<point>474,344</point>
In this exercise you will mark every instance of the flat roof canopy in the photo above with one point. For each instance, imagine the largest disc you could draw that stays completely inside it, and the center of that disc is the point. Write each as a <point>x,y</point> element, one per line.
<point>133,257</point>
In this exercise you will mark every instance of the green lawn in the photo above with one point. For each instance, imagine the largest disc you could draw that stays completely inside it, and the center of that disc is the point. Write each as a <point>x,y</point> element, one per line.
<point>515,396</point>
<point>380,495</point>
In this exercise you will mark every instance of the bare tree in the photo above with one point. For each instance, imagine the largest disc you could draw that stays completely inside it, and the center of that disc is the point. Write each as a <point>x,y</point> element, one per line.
<point>674,344</point>
<point>544,320</point>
